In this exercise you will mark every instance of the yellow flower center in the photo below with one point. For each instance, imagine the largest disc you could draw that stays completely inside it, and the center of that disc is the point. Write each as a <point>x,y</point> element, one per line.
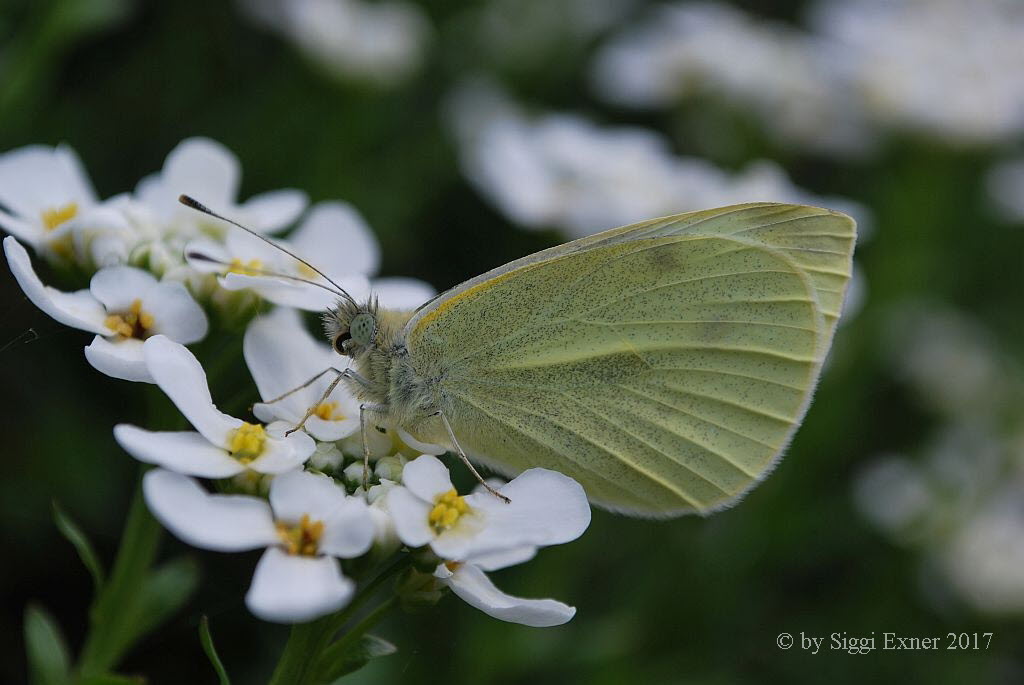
<point>52,218</point>
<point>247,442</point>
<point>301,539</point>
<point>249,268</point>
<point>133,323</point>
<point>328,411</point>
<point>448,508</point>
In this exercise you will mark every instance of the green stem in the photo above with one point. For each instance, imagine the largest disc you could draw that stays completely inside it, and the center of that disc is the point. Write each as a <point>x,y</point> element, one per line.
<point>301,657</point>
<point>333,653</point>
<point>109,636</point>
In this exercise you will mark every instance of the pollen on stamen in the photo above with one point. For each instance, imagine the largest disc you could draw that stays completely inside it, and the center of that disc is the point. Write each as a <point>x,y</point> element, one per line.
<point>328,411</point>
<point>247,442</point>
<point>52,218</point>
<point>134,323</point>
<point>448,509</point>
<point>302,539</point>
<point>249,268</point>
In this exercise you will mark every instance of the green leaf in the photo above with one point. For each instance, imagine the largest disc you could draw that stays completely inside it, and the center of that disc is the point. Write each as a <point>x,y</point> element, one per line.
<point>70,530</point>
<point>206,639</point>
<point>359,653</point>
<point>48,659</point>
<point>164,592</point>
<point>114,612</point>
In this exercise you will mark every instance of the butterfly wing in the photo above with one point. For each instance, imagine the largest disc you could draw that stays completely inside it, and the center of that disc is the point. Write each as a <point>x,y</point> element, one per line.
<point>664,366</point>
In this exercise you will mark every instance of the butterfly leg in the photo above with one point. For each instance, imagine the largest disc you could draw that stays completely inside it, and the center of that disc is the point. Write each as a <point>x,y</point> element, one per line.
<point>363,410</point>
<point>465,459</point>
<point>348,374</point>
<point>329,369</point>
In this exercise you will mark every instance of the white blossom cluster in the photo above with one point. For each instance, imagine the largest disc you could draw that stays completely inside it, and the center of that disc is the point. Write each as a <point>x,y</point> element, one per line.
<point>960,501</point>
<point>383,43</point>
<point>563,171</point>
<point>943,68</point>
<point>158,271</point>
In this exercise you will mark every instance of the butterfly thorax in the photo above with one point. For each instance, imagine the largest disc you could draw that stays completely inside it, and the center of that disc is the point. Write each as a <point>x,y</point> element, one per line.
<point>387,376</point>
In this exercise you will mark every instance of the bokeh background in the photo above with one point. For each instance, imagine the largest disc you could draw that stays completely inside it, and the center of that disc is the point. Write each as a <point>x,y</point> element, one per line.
<point>469,133</point>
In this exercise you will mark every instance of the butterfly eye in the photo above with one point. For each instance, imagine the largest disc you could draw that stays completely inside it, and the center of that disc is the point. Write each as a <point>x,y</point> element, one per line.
<point>339,342</point>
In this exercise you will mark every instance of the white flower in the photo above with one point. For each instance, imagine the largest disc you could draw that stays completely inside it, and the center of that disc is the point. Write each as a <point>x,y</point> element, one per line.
<point>223,446</point>
<point>124,306</point>
<point>380,42</point>
<point>480,532</point>
<point>793,81</point>
<point>334,238</point>
<point>563,171</point>
<point>906,73</point>
<point>307,525</point>
<point>207,170</point>
<point>43,190</point>
<point>281,356</point>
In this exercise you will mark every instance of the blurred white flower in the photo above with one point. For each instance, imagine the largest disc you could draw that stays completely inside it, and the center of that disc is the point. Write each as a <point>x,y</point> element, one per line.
<point>949,360</point>
<point>519,34</point>
<point>794,82</point>
<point>379,42</point>
<point>211,173</point>
<point>223,446</point>
<point>308,524</point>
<point>985,557</point>
<point>123,306</point>
<point>43,191</point>
<point>563,171</point>
<point>282,355</point>
<point>1005,185</point>
<point>947,68</point>
<point>480,532</point>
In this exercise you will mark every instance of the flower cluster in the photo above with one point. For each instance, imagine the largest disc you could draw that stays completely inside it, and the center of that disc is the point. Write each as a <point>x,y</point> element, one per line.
<point>157,273</point>
<point>158,268</point>
<point>563,171</point>
<point>957,503</point>
<point>864,66</point>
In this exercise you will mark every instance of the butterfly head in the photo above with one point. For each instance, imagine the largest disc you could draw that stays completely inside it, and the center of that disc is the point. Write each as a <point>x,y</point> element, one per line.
<point>352,327</point>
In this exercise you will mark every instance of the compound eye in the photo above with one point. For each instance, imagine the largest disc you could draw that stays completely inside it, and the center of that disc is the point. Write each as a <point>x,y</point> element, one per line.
<point>339,343</point>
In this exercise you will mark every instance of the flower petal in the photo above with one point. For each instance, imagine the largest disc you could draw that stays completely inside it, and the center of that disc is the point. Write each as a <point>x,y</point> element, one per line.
<point>336,239</point>
<point>401,293</point>
<point>175,313</point>
<point>120,358</point>
<point>226,523</point>
<point>293,589</point>
<point>203,168</point>
<point>409,514</point>
<point>349,530</point>
<point>271,211</point>
<point>422,447</point>
<point>78,309</point>
<point>296,493</point>
<point>281,453</point>
<point>505,558</point>
<point>180,376</point>
<point>426,477</point>
<point>36,177</point>
<point>477,590</point>
<point>118,286</point>
<point>183,452</point>
<point>547,508</point>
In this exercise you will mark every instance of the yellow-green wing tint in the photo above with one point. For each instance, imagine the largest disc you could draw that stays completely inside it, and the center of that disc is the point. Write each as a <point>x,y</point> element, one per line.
<point>819,241</point>
<point>665,371</point>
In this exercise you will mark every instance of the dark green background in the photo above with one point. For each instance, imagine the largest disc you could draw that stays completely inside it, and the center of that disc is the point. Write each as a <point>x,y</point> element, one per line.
<point>684,601</point>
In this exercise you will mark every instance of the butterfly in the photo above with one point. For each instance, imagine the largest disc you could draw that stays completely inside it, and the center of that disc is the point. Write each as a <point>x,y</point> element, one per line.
<point>665,365</point>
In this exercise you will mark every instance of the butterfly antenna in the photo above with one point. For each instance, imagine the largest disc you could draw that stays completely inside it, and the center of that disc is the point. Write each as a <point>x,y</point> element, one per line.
<point>197,256</point>
<point>199,206</point>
